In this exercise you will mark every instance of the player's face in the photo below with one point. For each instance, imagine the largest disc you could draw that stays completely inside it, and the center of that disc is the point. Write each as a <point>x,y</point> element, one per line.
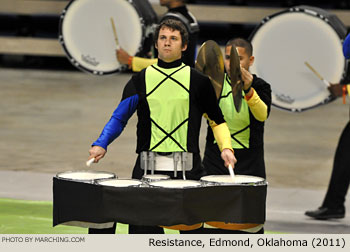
<point>245,60</point>
<point>169,45</point>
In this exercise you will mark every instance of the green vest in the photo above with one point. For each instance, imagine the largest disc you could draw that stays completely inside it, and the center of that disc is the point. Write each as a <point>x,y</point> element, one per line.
<point>238,123</point>
<point>167,94</point>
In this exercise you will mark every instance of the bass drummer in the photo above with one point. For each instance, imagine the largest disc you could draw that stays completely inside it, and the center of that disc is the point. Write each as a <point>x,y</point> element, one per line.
<point>333,206</point>
<point>170,99</point>
<point>246,128</point>
<point>176,9</point>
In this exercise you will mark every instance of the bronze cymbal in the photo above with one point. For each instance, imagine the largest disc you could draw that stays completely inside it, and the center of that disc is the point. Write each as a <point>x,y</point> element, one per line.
<point>211,63</point>
<point>236,78</point>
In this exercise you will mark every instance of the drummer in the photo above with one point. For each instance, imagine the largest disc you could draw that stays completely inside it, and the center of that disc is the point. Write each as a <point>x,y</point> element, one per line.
<point>246,127</point>
<point>170,99</point>
<point>176,9</point>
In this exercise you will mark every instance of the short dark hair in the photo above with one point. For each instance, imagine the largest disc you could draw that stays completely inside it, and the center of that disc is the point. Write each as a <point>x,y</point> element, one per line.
<point>174,25</point>
<point>241,42</point>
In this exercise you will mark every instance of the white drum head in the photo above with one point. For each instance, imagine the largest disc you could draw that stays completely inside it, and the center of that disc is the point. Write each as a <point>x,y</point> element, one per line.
<point>155,177</point>
<point>281,47</point>
<point>175,183</point>
<point>238,179</point>
<point>86,33</point>
<point>120,182</point>
<point>85,176</point>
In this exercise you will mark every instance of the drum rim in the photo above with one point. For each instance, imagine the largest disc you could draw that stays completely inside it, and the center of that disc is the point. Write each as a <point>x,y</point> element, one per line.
<point>199,184</point>
<point>263,181</point>
<point>303,9</point>
<point>84,180</point>
<point>104,180</point>
<point>74,62</point>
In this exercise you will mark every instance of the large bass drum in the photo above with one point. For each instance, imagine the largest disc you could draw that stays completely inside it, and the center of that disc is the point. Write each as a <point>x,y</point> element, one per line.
<point>87,37</point>
<point>283,45</point>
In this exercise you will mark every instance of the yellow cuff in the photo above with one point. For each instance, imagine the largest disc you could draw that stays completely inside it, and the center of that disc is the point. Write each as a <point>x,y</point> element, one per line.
<point>222,136</point>
<point>257,107</point>
<point>348,87</point>
<point>139,63</point>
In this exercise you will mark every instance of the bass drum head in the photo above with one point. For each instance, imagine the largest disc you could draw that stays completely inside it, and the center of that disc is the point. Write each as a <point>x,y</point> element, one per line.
<point>282,43</point>
<point>87,37</point>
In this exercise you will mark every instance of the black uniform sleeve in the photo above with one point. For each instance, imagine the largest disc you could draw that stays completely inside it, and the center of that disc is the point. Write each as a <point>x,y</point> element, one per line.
<point>204,94</point>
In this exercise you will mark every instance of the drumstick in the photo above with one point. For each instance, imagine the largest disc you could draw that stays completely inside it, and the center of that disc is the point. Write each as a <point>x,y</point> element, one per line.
<point>89,162</point>
<point>231,171</point>
<point>115,34</point>
<point>317,74</point>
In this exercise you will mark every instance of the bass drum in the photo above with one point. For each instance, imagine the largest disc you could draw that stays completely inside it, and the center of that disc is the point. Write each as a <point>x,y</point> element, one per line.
<point>285,42</point>
<point>87,37</point>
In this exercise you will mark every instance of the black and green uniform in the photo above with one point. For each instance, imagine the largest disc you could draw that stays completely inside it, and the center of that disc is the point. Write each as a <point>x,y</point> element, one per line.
<point>170,99</point>
<point>246,133</point>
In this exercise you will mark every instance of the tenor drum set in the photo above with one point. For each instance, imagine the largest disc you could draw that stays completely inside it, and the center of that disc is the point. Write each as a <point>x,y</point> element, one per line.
<point>97,199</point>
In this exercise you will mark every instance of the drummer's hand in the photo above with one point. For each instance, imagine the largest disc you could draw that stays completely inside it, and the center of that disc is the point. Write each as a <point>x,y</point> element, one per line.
<point>97,152</point>
<point>335,89</point>
<point>247,78</point>
<point>229,158</point>
<point>122,56</point>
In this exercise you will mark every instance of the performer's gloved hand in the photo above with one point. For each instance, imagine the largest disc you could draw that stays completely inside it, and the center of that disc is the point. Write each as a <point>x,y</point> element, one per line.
<point>96,152</point>
<point>247,78</point>
<point>122,56</point>
<point>228,157</point>
<point>336,89</point>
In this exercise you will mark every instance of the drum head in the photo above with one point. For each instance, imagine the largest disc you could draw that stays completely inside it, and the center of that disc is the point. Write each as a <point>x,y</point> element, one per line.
<point>120,182</point>
<point>284,42</point>
<point>87,37</point>
<point>175,183</point>
<point>227,180</point>
<point>155,177</point>
<point>85,176</point>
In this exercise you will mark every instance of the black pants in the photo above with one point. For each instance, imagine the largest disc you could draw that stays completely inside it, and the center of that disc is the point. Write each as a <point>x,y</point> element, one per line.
<point>340,178</point>
<point>249,161</point>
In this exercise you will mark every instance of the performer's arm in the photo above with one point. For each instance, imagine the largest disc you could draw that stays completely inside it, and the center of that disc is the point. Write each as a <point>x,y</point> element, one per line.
<point>257,106</point>
<point>211,110</point>
<point>117,122</point>
<point>136,64</point>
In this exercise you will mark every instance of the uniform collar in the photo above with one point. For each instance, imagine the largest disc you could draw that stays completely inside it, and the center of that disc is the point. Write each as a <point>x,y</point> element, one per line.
<point>173,64</point>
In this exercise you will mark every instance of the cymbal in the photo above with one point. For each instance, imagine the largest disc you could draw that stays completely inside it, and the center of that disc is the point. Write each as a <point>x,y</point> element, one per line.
<point>211,63</point>
<point>236,78</point>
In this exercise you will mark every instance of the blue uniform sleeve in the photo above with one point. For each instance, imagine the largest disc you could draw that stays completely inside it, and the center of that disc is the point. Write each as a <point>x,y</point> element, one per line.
<point>118,121</point>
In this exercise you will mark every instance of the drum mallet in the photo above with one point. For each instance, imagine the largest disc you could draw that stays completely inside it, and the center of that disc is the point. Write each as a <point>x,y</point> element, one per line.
<point>231,172</point>
<point>115,34</point>
<point>317,74</point>
<point>90,161</point>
